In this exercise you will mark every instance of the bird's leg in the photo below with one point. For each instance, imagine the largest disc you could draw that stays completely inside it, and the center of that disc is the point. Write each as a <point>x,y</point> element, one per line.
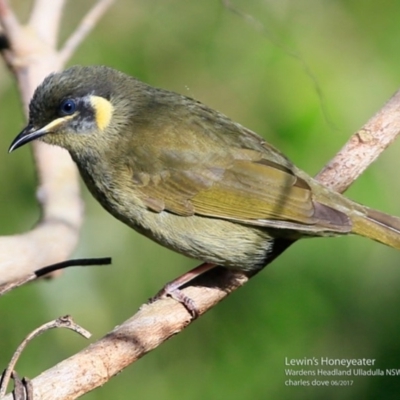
<point>172,288</point>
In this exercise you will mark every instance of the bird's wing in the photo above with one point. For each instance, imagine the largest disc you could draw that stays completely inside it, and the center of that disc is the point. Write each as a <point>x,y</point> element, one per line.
<point>243,186</point>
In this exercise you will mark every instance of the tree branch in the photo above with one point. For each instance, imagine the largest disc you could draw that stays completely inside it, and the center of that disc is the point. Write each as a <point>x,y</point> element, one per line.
<point>84,28</point>
<point>363,148</point>
<point>32,55</point>
<point>47,24</point>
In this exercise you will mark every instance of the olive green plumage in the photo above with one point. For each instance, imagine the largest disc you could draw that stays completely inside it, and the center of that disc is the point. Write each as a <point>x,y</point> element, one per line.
<point>185,175</point>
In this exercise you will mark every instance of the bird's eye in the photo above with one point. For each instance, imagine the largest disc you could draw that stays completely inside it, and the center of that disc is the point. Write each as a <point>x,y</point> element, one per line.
<point>67,107</point>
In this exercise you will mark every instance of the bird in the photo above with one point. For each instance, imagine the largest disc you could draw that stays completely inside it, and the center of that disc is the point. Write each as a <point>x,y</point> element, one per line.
<point>185,175</point>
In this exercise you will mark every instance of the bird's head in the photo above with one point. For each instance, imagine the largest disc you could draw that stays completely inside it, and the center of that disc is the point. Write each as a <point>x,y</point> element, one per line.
<point>75,107</point>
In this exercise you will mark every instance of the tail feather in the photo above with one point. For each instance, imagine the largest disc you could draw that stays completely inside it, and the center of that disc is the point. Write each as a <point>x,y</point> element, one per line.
<point>378,226</point>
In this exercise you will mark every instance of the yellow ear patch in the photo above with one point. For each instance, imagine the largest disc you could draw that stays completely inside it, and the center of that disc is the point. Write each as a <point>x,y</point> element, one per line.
<point>103,111</point>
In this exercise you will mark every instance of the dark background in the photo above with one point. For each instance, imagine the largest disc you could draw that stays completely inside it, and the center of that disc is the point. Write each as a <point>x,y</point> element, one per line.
<point>305,75</point>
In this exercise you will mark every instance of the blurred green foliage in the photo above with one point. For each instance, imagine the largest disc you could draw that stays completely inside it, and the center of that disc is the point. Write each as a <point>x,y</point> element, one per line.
<point>303,74</point>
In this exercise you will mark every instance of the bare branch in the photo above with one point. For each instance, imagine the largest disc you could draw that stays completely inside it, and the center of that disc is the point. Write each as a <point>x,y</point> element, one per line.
<point>32,56</point>
<point>96,364</point>
<point>45,19</point>
<point>84,28</point>
<point>23,389</point>
<point>364,147</point>
<point>62,322</point>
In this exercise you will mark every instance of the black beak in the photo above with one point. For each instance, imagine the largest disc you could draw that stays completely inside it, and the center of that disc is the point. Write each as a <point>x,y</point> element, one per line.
<point>27,135</point>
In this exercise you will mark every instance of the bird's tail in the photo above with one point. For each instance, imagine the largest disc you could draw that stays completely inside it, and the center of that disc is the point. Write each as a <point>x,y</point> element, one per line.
<point>376,225</point>
<point>365,221</point>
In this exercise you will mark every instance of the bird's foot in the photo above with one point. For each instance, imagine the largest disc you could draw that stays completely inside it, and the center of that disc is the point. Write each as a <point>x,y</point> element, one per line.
<point>172,289</point>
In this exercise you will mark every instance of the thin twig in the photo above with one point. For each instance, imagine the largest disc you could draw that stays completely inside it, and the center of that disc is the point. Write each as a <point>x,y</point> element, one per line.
<point>28,388</point>
<point>23,388</point>
<point>288,50</point>
<point>80,262</point>
<point>86,25</point>
<point>62,322</point>
<point>54,267</point>
<point>19,391</point>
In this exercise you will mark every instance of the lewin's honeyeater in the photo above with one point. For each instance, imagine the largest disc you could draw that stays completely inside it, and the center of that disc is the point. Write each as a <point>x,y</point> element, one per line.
<point>185,175</point>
